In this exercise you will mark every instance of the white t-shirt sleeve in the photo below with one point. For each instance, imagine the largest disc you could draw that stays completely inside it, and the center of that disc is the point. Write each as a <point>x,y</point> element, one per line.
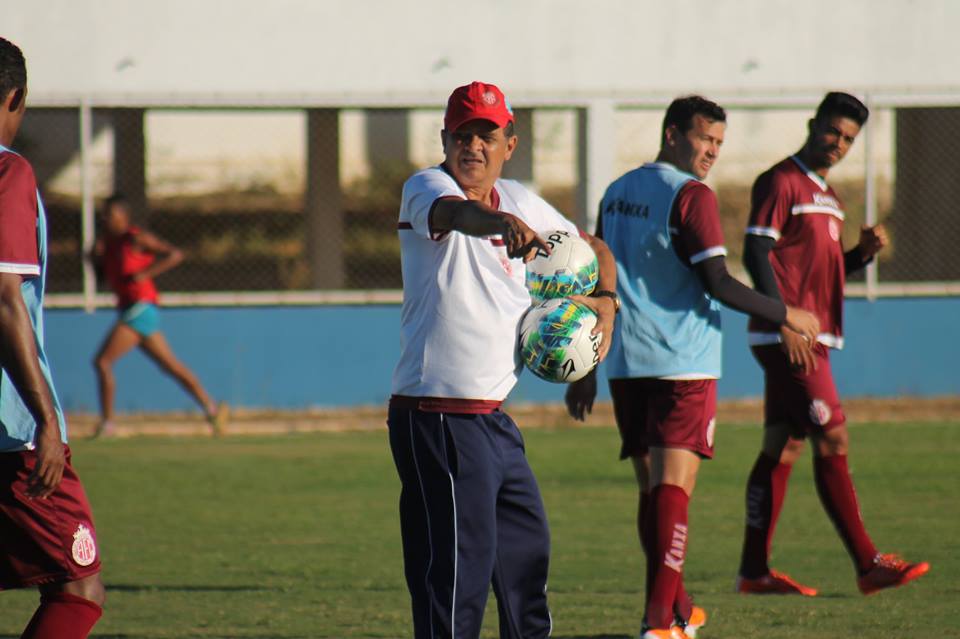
<point>419,194</point>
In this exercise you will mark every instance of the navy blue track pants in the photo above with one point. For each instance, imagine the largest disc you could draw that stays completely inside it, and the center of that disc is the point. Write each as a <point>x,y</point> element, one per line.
<point>470,514</point>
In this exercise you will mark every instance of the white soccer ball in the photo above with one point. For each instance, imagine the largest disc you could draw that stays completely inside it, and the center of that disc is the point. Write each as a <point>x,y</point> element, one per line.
<point>569,269</point>
<point>555,340</point>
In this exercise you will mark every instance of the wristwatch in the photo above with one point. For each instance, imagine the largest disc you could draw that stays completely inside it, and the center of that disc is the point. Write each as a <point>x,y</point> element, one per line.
<point>612,295</point>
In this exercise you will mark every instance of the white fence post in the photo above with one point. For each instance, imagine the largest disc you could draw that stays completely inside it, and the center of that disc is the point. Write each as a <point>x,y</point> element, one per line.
<point>870,195</point>
<point>86,207</point>
<point>596,148</point>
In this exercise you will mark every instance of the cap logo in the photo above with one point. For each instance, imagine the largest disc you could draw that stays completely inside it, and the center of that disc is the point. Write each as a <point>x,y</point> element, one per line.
<point>489,98</point>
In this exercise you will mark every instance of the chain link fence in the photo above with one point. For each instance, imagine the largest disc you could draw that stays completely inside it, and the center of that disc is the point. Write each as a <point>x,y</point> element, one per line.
<point>302,200</point>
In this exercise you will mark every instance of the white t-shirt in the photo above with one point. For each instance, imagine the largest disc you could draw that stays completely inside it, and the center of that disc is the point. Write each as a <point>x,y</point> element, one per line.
<point>463,298</point>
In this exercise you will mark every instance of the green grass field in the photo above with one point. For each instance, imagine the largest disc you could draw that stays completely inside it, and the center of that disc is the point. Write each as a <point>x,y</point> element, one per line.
<point>297,536</point>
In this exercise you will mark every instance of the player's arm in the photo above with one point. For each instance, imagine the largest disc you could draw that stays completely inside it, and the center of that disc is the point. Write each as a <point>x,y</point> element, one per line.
<point>696,217</point>
<point>18,348</point>
<point>580,395</point>
<point>19,359</point>
<point>769,207</point>
<point>873,239</point>
<point>756,259</point>
<point>475,218</point>
<point>603,305</point>
<point>170,256</point>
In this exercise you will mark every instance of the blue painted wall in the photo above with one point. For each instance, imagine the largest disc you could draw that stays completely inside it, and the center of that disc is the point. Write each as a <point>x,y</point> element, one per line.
<point>299,357</point>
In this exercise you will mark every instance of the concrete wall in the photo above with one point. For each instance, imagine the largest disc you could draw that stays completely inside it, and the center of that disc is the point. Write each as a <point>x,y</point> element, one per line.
<point>135,51</point>
<point>299,357</point>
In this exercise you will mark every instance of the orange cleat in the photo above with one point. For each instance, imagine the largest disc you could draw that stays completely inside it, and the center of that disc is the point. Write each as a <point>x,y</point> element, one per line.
<point>698,619</point>
<point>773,583</point>
<point>890,571</point>
<point>671,633</point>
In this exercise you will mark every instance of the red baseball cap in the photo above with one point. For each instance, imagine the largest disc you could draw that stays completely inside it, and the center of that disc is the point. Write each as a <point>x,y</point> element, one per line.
<point>477,101</point>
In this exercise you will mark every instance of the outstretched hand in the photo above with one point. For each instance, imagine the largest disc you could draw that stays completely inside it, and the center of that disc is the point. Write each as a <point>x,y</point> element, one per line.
<point>521,240</point>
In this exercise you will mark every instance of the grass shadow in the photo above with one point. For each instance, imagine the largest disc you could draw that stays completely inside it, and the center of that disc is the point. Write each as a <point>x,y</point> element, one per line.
<point>179,588</point>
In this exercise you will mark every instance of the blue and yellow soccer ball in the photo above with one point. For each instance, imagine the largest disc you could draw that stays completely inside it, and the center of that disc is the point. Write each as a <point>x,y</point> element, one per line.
<point>569,269</point>
<point>555,340</point>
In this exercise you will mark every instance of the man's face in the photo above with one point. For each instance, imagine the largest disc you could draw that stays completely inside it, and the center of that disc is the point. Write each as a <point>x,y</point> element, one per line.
<point>696,150</point>
<point>475,152</point>
<point>830,139</point>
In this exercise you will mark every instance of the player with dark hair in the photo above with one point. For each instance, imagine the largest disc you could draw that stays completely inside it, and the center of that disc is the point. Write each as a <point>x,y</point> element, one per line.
<point>130,258</point>
<point>662,224</point>
<point>47,536</point>
<point>793,252</point>
<point>470,509</point>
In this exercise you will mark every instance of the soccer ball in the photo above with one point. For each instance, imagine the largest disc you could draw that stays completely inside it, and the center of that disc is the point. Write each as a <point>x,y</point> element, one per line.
<point>555,340</point>
<point>570,269</point>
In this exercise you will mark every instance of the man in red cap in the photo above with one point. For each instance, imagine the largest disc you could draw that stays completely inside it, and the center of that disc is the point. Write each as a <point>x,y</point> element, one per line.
<point>470,510</point>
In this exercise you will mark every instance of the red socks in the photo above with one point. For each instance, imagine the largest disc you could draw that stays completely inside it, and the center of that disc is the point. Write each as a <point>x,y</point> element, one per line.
<point>62,616</point>
<point>840,501</point>
<point>683,606</point>
<point>648,536</point>
<point>668,508</point>
<point>766,489</point>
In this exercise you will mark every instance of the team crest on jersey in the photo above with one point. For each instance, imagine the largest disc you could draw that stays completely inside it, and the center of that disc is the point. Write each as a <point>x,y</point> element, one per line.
<point>507,265</point>
<point>490,98</point>
<point>711,428</point>
<point>820,412</point>
<point>84,548</point>
<point>834,230</point>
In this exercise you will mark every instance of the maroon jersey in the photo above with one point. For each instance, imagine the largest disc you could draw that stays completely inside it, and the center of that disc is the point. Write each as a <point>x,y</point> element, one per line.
<point>795,206</point>
<point>121,261</point>
<point>18,217</point>
<point>695,224</point>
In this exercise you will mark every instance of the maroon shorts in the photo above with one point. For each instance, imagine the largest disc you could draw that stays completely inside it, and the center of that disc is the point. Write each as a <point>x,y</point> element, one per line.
<point>48,540</point>
<point>808,403</point>
<point>664,413</point>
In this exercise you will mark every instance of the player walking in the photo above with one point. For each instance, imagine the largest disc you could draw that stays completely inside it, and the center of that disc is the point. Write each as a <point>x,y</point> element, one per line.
<point>128,257</point>
<point>793,252</point>
<point>663,226</point>
<point>470,508</point>
<point>47,537</point>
